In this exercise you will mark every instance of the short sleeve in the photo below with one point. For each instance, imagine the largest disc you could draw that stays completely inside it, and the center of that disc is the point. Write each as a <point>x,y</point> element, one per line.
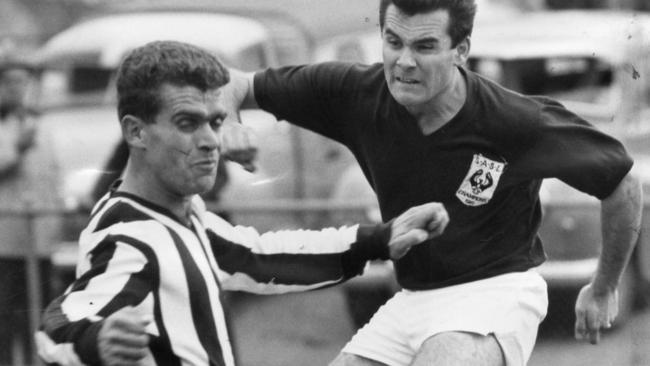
<point>566,147</point>
<point>313,96</point>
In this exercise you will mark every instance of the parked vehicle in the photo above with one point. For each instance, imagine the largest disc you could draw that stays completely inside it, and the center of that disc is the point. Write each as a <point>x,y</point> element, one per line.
<point>596,64</point>
<point>79,110</point>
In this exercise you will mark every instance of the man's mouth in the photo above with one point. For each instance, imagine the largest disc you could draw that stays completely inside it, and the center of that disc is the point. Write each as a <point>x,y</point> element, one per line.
<point>207,164</point>
<point>405,80</point>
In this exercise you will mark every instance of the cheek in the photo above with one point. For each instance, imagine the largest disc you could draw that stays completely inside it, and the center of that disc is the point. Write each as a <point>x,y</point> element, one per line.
<point>389,56</point>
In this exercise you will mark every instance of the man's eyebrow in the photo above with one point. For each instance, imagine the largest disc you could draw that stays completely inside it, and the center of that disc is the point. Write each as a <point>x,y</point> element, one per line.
<point>188,113</point>
<point>427,40</point>
<point>391,33</point>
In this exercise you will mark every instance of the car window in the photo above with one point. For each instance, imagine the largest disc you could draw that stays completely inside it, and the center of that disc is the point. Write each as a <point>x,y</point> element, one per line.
<point>76,85</point>
<point>584,84</point>
<point>586,80</point>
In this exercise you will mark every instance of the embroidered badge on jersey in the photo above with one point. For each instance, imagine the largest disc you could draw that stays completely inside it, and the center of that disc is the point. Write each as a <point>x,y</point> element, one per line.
<point>481,181</point>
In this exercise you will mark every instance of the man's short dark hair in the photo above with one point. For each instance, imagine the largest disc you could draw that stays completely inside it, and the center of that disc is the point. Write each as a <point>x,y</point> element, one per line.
<point>145,69</point>
<point>461,14</point>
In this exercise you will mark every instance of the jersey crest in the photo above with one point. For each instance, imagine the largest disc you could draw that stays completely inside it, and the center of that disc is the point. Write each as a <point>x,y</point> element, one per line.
<point>481,181</point>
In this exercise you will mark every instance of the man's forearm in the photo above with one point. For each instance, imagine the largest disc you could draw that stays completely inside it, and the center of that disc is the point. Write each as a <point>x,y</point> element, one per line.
<point>238,93</point>
<point>621,222</point>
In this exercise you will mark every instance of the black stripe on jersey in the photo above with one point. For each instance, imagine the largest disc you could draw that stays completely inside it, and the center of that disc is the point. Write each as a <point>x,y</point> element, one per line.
<point>288,269</point>
<point>160,346</point>
<point>200,306</point>
<point>100,255</point>
<point>120,212</point>
<point>150,205</point>
<point>57,325</point>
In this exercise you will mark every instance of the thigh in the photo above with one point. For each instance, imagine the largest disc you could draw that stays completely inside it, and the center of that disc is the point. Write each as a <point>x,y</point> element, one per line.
<point>460,349</point>
<point>385,339</point>
<point>348,359</point>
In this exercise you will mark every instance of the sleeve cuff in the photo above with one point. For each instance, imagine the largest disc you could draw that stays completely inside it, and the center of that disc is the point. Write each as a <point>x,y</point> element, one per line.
<point>372,241</point>
<point>87,346</point>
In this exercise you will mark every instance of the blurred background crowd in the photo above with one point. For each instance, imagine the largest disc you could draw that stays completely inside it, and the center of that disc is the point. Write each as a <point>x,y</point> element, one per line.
<point>59,150</point>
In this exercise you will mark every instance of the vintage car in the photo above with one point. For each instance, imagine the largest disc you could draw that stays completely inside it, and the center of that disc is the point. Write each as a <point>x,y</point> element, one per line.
<point>596,64</point>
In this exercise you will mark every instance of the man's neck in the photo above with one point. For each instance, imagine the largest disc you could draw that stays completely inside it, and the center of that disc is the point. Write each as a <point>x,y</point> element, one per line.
<point>135,184</point>
<point>440,110</point>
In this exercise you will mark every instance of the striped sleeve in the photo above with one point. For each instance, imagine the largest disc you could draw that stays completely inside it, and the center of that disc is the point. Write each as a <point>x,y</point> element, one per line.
<point>118,274</point>
<point>296,260</point>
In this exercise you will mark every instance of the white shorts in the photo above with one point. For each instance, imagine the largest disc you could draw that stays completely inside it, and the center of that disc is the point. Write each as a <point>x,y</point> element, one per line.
<point>510,306</point>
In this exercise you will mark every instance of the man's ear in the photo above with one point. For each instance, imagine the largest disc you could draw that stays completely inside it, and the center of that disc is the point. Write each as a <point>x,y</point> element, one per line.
<point>462,52</point>
<point>133,131</point>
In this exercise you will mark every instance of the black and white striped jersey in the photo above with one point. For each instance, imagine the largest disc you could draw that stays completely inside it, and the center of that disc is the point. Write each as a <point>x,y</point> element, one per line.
<point>135,253</point>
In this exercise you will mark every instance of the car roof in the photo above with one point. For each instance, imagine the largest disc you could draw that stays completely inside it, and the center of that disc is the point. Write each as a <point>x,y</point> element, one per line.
<point>105,40</point>
<point>562,33</point>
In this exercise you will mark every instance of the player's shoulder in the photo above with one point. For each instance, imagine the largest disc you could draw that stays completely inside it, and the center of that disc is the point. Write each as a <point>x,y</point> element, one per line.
<point>355,73</point>
<point>506,106</point>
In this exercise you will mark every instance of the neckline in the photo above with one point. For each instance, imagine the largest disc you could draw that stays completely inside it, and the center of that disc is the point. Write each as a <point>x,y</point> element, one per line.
<point>114,192</point>
<point>464,113</point>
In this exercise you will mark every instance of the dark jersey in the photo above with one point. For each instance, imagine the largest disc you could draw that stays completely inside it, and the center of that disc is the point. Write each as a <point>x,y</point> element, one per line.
<point>485,165</point>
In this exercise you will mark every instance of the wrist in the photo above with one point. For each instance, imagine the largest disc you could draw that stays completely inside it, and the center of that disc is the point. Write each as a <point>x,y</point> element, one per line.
<point>373,240</point>
<point>601,286</point>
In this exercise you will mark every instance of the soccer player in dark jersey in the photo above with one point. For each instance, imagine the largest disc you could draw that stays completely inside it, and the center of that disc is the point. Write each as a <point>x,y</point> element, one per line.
<point>153,261</point>
<point>424,128</point>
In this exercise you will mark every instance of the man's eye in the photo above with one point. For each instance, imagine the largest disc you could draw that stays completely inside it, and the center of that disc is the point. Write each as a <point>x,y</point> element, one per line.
<point>216,123</point>
<point>187,124</point>
<point>426,47</point>
<point>393,42</point>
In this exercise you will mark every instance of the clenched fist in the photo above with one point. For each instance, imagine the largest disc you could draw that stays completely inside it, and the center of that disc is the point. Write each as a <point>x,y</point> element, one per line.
<point>416,225</point>
<point>122,339</point>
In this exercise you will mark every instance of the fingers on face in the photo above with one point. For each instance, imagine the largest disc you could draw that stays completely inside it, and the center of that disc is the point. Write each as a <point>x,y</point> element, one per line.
<point>238,138</point>
<point>240,148</point>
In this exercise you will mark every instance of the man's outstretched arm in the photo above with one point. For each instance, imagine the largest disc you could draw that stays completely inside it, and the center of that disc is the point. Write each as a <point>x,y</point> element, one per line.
<point>300,260</point>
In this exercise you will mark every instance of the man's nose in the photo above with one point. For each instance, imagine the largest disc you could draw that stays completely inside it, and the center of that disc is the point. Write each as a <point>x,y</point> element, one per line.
<point>207,138</point>
<point>406,58</point>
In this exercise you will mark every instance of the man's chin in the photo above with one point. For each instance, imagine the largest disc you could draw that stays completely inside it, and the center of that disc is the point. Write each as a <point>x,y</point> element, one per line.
<point>202,185</point>
<point>406,98</point>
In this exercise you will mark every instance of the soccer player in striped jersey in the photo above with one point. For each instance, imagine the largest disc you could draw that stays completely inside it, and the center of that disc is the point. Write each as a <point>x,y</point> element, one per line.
<point>153,261</point>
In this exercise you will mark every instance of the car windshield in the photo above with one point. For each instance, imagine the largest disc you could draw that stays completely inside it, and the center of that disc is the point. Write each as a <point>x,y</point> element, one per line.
<point>80,63</point>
